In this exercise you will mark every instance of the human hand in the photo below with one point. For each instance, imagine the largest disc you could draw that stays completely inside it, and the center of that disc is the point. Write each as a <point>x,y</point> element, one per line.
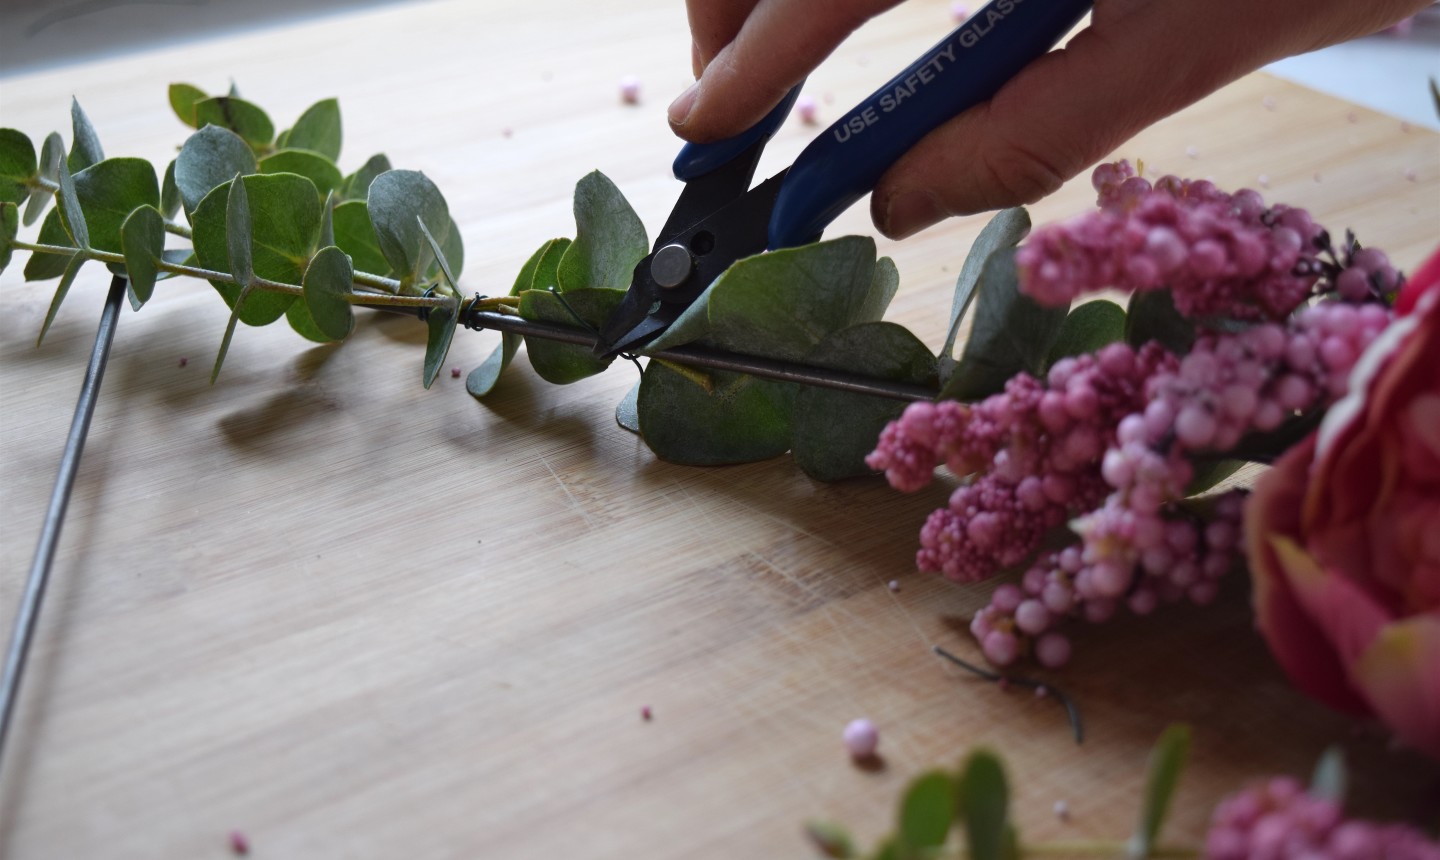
<point>1137,62</point>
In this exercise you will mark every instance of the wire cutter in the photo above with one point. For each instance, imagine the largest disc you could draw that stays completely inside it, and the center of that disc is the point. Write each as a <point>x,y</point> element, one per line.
<point>719,218</point>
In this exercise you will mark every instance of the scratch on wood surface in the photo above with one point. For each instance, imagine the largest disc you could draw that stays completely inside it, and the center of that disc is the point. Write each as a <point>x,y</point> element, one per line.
<point>574,502</point>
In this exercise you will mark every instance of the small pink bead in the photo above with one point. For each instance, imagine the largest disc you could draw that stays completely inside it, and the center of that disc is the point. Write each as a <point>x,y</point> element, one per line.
<point>959,11</point>
<point>1000,647</point>
<point>1032,617</point>
<point>1052,650</point>
<point>806,109</point>
<point>861,738</point>
<point>1195,427</point>
<point>239,843</point>
<point>893,585</point>
<point>1007,597</point>
<point>646,714</point>
<point>630,90</point>
<point>1110,578</point>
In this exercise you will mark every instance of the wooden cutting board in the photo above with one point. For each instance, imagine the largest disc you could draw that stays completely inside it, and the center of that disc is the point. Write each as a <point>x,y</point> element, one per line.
<point>355,618</point>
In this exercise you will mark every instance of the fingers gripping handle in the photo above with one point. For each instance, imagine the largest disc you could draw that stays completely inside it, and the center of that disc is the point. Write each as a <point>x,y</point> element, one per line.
<point>965,68</point>
<point>697,159</point>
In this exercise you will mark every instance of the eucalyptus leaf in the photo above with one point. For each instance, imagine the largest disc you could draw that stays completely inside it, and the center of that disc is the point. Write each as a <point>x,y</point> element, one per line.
<point>240,301</point>
<point>1329,780</point>
<point>303,323</point>
<point>437,343</point>
<point>209,158</point>
<point>984,806</point>
<point>327,221</point>
<point>283,240</point>
<point>1005,230</point>
<point>1151,315</point>
<point>52,152</point>
<point>1089,327</point>
<point>1266,446</point>
<point>183,98</point>
<point>781,304</point>
<point>1011,334</point>
<point>737,419</point>
<point>72,217</point>
<point>538,273</point>
<point>108,192</point>
<point>18,166</point>
<point>238,233</point>
<point>627,411</point>
<point>1209,472</point>
<point>357,185</point>
<point>1167,760</point>
<point>356,236</point>
<point>562,363</point>
<point>883,286</point>
<point>435,249</point>
<point>396,198</point>
<point>85,147</point>
<point>318,129</point>
<point>169,192</point>
<point>238,115</point>
<point>142,241</point>
<point>926,811</point>
<point>72,268</point>
<point>43,267</point>
<point>327,284</point>
<point>454,247</point>
<point>311,165</point>
<point>609,238</point>
<point>835,430</point>
<point>9,228</point>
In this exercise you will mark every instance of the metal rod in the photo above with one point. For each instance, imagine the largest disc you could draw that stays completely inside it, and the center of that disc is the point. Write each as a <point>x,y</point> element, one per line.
<point>29,611</point>
<point>785,371</point>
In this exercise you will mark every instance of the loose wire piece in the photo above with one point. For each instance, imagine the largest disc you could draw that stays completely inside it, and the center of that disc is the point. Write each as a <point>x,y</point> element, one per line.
<point>585,324</point>
<point>1041,688</point>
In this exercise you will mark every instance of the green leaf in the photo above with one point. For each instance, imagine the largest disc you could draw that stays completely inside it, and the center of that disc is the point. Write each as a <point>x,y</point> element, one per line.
<point>283,239</point>
<point>1329,780</point>
<point>240,302</point>
<point>1089,327</point>
<point>1167,760</point>
<point>311,165</point>
<point>9,227</point>
<point>327,284</point>
<point>883,287</point>
<point>736,419</point>
<point>327,221</point>
<point>927,811</point>
<point>84,144</point>
<point>238,233</point>
<point>318,129</point>
<point>303,324</point>
<point>72,268</point>
<point>454,247</point>
<point>627,411</point>
<point>356,236</point>
<point>18,166</point>
<point>1011,334</point>
<point>984,806</point>
<point>830,839</point>
<point>1152,316</point>
<point>72,217</point>
<point>436,250</point>
<point>1003,231</point>
<point>562,363</point>
<point>142,241</point>
<point>52,152</point>
<point>209,159</point>
<point>1210,471</point>
<point>887,850</point>
<point>357,184</point>
<point>43,267</point>
<point>609,238</point>
<point>108,192</point>
<point>437,343</point>
<point>396,199</point>
<point>169,192</point>
<point>183,98</point>
<point>537,273</point>
<point>781,304</point>
<point>835,430</point>
<point>238,115</point>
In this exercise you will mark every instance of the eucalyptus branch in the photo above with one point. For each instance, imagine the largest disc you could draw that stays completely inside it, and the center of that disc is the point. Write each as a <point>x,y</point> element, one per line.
<point>172,227</point>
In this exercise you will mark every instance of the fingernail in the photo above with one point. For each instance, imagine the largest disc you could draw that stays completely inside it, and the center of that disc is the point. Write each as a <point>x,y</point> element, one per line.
<point>910,212</point>
<point>679,109</point>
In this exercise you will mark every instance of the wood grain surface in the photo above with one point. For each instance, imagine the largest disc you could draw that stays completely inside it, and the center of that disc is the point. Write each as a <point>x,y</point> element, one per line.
<point>355,618</point>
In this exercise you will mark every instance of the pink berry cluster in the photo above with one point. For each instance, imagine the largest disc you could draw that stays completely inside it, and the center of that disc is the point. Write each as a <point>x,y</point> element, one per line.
<point>1279,820</point>
<point>1224,255</point>
<point>1032,449</point>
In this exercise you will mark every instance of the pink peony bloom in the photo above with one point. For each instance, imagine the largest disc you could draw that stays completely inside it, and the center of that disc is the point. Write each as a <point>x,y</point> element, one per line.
<point>1344,538</point>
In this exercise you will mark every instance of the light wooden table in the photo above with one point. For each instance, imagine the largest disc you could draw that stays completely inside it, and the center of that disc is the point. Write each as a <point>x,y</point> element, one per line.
<point>355,618</point>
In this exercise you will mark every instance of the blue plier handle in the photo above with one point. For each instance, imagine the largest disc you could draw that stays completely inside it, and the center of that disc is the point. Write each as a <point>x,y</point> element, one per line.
<point>720,219</point>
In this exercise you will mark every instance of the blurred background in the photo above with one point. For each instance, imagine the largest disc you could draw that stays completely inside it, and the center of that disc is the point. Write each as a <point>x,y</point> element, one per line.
<point>1388,72</point>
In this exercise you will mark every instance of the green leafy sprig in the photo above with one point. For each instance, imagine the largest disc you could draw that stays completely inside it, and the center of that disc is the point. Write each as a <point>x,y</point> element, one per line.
<point>269,220</point>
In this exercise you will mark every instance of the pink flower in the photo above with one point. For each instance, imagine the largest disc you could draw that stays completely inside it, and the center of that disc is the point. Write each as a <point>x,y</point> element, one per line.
<point>1344,539</point>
